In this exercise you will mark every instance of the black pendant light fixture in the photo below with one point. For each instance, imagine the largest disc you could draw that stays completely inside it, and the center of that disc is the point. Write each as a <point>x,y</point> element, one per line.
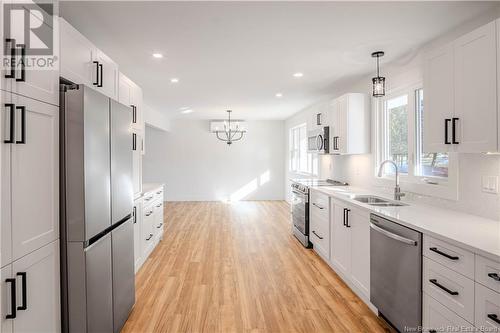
<point>378,81</point>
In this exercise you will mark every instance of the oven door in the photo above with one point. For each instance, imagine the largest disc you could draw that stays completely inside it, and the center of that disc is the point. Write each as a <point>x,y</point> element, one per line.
<point>300,211</point>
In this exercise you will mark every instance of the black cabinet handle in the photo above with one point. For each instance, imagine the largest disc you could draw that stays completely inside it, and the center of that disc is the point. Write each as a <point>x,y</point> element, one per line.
<point>453,131</point>
<point>12,282</point>
<point>135,214</point>
<point>314,232</point>
<point>337,142</point>
<point>150,236</point>
<point>158,206</point>
<point>134,141</point>
<point>12,123</point>
<point>134,114</point>
<point>347,218</point>
<point>494,317</point>
<point>159,192</point>
<point>434,282</point>
<point>100,70</point>
<point>432,331</point>
<point>446,122</point>
<point>96,83</point>
<point>23,63</point>
<point>435,249</point>
<point>345,209</point>
<point>24,305</point>
<point>159,226</point>
<point>315,204</point>
<point>23,124</point>
<point>12,43</point>
<point>494,276</point>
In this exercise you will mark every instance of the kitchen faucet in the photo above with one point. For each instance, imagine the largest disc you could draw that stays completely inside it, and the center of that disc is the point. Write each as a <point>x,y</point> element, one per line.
<point>397,189</point>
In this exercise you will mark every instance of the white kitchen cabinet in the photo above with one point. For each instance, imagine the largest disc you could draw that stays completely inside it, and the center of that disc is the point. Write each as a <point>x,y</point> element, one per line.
<point>138,220</point>
<point>439,98</point>
<point>437,317</point>
<point>349,122</point>
<point>106,74</point>
<point>475,108</point>
<point>158,220</point>
<point>41,84</point>
<point>30,200</point>
<point>131,94</point>
<point>36,280</point>
<point>77,54</point>
<point>137,163</point>
<point>460,86</point>
<point>147,231</point>
<point>350,250</point>
<point>487,314</point>
<point>319,223</point>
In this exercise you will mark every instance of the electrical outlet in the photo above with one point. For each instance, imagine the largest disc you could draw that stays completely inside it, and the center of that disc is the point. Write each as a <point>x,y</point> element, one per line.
<point>490,184</point>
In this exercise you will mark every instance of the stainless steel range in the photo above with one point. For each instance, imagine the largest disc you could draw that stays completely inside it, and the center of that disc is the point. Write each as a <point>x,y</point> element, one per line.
<point>300,205</point>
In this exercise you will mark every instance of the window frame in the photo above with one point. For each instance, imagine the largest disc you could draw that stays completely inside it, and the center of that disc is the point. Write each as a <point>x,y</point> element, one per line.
<point>310,157</point>
<point>427,185</point>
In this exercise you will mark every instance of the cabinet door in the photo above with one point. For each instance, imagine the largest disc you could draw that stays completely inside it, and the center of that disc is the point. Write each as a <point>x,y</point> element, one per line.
<point>6,304</point>
<point>360,250</point>
<point>439,99</point>
<point>41,274</point>
<point>108,75</point>
<point>77,54</point>
<point>147,232</point>
<point>137,163</point>
<point>158,220</point>
<point>476,90</point>
<point>341,241</point>
<point>5,196</point>
<point>437,317</point>
<point>124,89</point>
<point>35,195</point>
<point>138,222</point>
<point>136,101</point>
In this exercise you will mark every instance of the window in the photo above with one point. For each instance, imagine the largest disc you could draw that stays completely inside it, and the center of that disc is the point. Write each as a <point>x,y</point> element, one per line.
<point>300,160</point>
<point>401,139</point>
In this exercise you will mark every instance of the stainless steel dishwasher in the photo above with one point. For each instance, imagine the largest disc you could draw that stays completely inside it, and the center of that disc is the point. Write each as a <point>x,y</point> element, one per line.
<point>396,273</point>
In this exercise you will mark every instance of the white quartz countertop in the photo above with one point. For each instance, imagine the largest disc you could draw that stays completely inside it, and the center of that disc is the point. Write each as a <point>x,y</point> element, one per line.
<point>474,233</point>
<point>148,187</point>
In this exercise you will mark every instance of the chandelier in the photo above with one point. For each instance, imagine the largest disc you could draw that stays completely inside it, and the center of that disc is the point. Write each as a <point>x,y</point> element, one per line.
<point>228,130</point>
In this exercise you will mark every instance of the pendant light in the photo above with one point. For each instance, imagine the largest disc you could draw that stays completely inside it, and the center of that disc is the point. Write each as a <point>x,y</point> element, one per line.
<point>378,81</point>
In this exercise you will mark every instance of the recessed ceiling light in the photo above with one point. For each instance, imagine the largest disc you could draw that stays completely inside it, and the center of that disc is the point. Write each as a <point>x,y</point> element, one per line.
<point>298,74</point>
<point>157,55</point>
<point>186,111</point>
<point>174,80</point>
<point>279,95</point>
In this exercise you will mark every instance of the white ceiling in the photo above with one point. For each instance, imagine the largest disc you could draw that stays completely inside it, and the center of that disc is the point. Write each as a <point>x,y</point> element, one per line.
<point>238,55</point>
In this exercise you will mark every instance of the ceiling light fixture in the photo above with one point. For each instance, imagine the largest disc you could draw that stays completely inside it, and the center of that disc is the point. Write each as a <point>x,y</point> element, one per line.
<point>228,130</point>
<point>157,55</point>
<point>378,81</point>
<point>298,74</point>
<point>279,95</point>
<point>186,111</point>
<point>174,80</point>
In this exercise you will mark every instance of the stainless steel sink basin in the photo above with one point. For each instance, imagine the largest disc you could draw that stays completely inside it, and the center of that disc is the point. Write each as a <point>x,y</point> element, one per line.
<point>377,201</point>
<point>370,199</point>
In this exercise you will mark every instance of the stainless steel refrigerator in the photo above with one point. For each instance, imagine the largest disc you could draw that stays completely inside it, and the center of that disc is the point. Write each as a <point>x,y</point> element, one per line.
<point>97,240</point>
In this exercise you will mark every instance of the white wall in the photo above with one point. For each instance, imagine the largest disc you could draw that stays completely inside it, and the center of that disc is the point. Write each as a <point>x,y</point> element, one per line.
<point>195,166</point>
<point>156,119</point>
<point>359,170</point>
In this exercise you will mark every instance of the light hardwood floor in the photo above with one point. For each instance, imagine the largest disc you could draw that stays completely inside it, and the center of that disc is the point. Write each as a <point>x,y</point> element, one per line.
<point>237,268</point>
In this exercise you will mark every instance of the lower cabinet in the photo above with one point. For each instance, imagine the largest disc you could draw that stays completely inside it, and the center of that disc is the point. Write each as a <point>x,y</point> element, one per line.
<point>158,220</point>
<point>319,226</point>
<point>350,249</point>
<point>147,231</point>
<point>30,292</point>
<point>437,318</point>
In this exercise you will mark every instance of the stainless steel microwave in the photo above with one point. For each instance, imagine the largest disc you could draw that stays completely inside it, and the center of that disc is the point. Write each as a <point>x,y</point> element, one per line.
<point>318,141</point>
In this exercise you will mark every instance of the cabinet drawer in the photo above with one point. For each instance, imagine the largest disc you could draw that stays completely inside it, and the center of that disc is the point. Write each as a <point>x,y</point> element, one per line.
<point>451,256</point>
<point>440,319</point>
<point>319,204</point>
<point>488,273</point>
<point>487,309</point>
<point>319,235</point>
<point>450,288</point>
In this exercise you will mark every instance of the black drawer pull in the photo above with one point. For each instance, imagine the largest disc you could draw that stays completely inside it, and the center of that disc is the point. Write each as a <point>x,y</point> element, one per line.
<point>150,236</point>
<point>159,192</point>
<point>12,282</point>
<point>435,249</point>
<point>494,317</point>
<point>24,305</point>
<point>159,226</point>
<point>158,206</point>
<point>314,232</point>
<point>494,276</point>
<point>434,282</point>
<point>149,214</point>
<point>314,204</point>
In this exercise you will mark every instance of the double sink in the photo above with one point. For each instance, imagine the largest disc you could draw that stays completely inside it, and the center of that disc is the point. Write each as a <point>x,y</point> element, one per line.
<point>377,201</point>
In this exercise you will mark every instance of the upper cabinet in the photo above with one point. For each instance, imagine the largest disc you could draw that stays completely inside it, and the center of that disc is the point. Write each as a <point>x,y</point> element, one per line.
<point>349,120</point>
<point>130,93</point>
<point>82,62</point>
<point>460,84</point>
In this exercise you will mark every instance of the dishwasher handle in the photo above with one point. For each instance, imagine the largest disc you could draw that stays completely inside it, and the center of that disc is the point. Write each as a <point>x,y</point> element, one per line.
<point>393,236</point>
